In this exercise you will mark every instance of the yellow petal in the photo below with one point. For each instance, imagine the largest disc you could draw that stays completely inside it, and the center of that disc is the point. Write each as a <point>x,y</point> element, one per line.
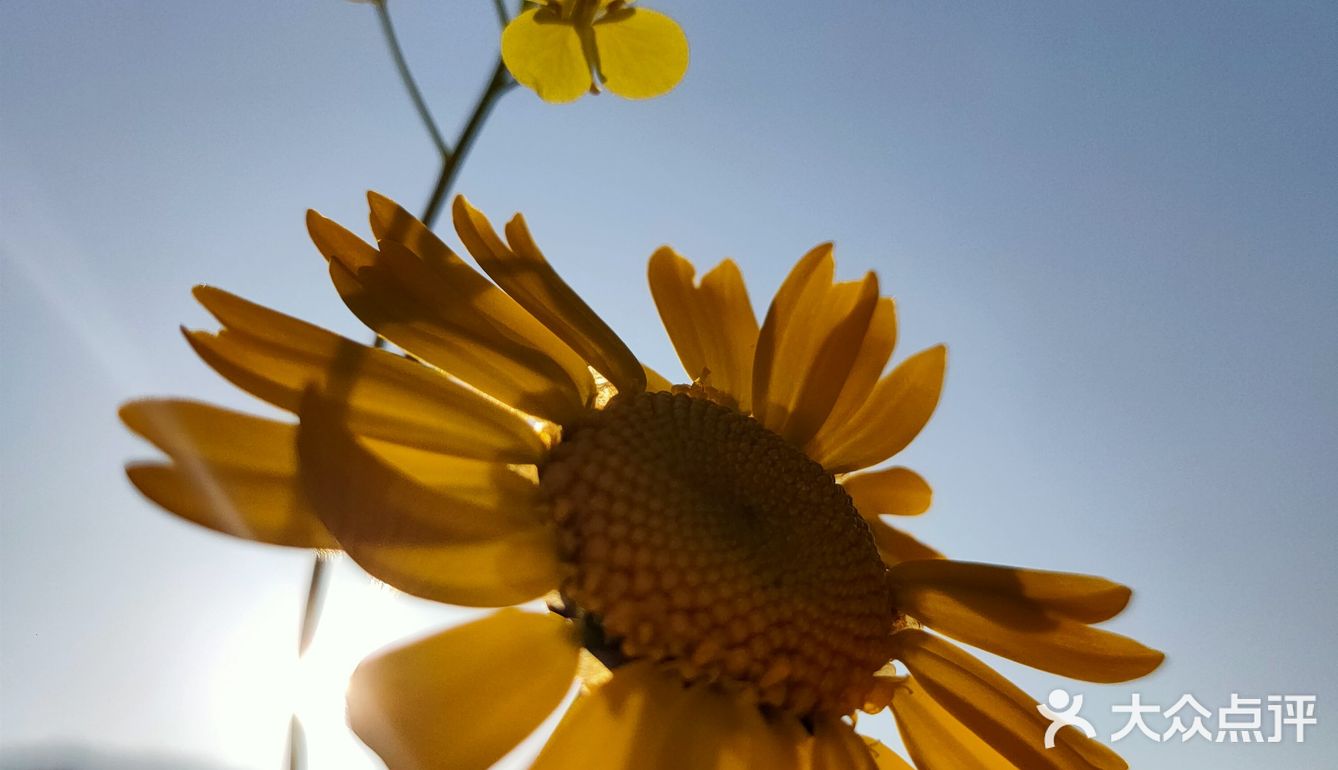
<point>885,758</point>
<point>994,708</point>
<point>545,54</point>
<point>642,53</point>
<point>895,491</point>
<point>992,608</point>
<point>901,404</point>
<point>879,340</point>
<point>403,299</point>
<point>896,546</point>
<point>422,541</point>
<point>656,382</point>
<point>470,297</point>
<point>712,325</point>
<point>231,472</point>
<point>642,719</point>
<point>276,357</point>
<point>837,341</point>
<point>934,739</point>
<point>1087,598</point>
<point>265,509</point>
<point>836,746</point>
<point>464,697</point>
<point>790,314</point>
<point>523,272</point>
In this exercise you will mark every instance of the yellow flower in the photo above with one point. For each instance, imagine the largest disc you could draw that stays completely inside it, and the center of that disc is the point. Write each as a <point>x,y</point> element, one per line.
<point>558,49</point>
<point>713,553</point>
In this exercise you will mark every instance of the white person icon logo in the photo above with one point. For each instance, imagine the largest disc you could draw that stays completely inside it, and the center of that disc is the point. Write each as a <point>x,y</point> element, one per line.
<point>1062,709</point>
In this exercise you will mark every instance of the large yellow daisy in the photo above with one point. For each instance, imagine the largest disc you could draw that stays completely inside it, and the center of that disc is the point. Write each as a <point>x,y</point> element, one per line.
<point>713,555</point>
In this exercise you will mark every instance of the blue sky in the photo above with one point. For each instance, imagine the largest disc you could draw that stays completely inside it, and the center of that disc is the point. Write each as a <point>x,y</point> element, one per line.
<point>1121,218</point>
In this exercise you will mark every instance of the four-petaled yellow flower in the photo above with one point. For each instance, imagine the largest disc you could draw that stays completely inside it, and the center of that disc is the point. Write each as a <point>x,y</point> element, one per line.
<point>714,553</point>
<point>560,47</point>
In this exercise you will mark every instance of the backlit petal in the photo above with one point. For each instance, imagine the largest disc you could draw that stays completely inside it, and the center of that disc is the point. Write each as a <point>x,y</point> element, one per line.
<point>545,54</point>
<point>934,739</point>
<point>994,708</point>
<point>992,608</point>
<point>275,357</point>
<point>901,404</point>
<point>712,325</point>
<point>836,746</point>
<point>879,340</point>
<point>836,343</point>
<point>422,541</point>
<point>885,758</point>
<point>523,272</point>
<point>471,296</point>
<point>896,546</point>
<point>894,491</point>
<point>405,300</point>
<point>642,53</point>
<point>642,719</point>
<point>789,319</point>
<point>231,472</point>
<point>464,697</point>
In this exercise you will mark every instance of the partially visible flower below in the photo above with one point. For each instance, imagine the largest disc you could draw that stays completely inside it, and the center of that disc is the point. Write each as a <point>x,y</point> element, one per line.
<point>561,47</point>
<point>713,553</point>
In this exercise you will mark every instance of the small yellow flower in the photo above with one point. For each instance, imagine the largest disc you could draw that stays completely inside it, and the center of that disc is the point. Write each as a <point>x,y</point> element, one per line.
<point>713,553</point>
<point>560,47</point>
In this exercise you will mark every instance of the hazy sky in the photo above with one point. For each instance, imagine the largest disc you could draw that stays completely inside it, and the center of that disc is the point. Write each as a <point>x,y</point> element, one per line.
<point>1122,218</point>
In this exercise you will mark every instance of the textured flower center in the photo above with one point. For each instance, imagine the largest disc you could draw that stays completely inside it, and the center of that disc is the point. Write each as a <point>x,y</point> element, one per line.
<point>701,539</point>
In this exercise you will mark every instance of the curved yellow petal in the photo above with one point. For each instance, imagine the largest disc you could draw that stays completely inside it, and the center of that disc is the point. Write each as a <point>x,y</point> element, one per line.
<point>934,739</point>
<point>469,298</point>
<point>893,491</point>
<point>994,708</point>
<point>712,325</point>
<point>991,608</point>
<point>901,404</point>
<point>276,357</point>
<point>1086,598</point>
<point>422,541</point>
<point>885,758</point>
<point>464,697</point>
<point>836,343</point>
<point>544,53</point>
<point>523,272</point>
<point>643,719</point>
<point>642,53</point>
<point>656,382</point>
<point>778,357</point>
<point>836,746</point>
<point>231,472</point>
<point>896,546</point>
<point>879,340</point>
<point>402,298</point>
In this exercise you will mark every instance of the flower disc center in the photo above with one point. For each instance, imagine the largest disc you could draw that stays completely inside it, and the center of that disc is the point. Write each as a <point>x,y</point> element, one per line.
<point>703,540</point>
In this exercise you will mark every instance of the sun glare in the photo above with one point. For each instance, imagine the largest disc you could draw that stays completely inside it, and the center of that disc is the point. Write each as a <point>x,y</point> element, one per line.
<point>261,683</point>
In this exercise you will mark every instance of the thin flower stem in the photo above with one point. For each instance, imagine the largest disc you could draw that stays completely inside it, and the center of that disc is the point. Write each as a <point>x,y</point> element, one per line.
<point>311,615</point>
<point>410,85</point>
<point>503,17</point>
<point>500,83</point>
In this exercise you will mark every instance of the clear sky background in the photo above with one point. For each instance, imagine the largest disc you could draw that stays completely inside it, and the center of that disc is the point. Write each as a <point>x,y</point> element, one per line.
<point>1121,217</point>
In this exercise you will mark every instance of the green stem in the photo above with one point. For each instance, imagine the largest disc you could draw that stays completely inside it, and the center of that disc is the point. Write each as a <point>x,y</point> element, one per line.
<point>410,85</point>
<point>451,164</point>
